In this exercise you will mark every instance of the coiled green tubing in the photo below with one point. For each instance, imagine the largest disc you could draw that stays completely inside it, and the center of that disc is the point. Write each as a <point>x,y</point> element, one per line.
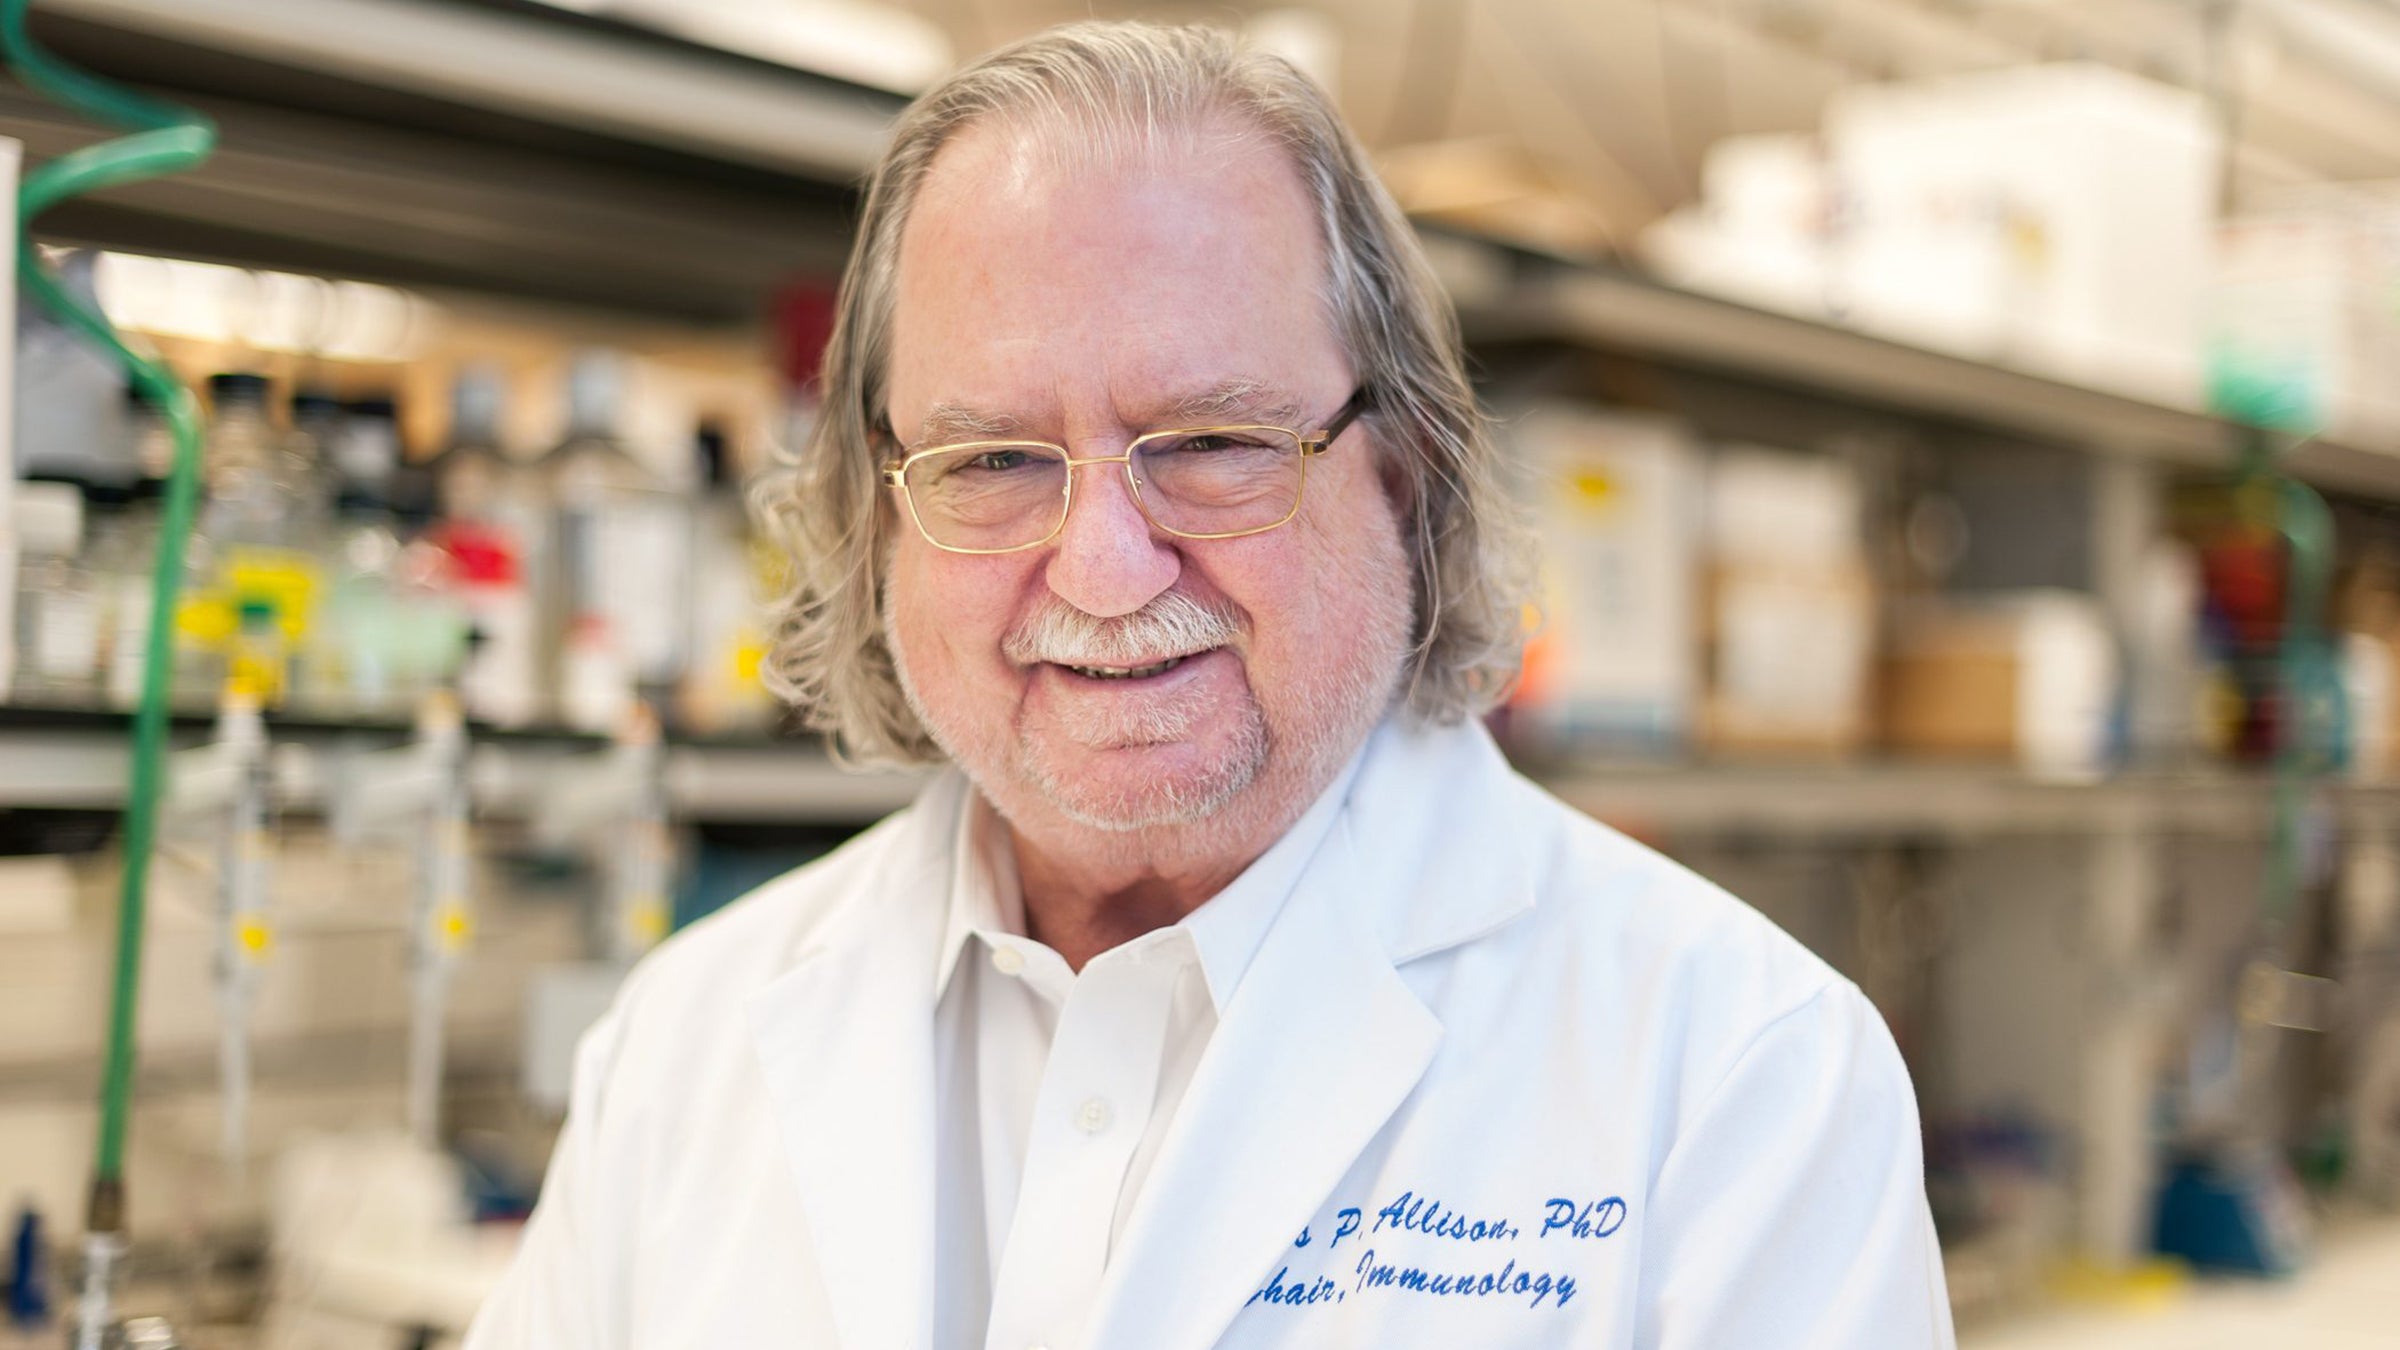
<point>162,139</point>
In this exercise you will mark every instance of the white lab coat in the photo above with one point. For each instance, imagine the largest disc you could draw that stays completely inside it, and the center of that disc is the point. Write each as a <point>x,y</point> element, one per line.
<point>1497,1077</point>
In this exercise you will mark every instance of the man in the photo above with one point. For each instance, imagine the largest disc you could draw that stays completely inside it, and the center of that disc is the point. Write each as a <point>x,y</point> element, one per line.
<point>1232,991</point>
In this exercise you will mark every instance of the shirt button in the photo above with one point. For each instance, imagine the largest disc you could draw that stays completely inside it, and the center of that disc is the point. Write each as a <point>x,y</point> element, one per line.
<point>1092,1117</point>
<point>1008,960</point>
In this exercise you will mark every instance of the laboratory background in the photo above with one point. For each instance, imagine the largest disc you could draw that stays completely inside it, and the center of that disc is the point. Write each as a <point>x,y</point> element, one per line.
<point>1964,437</point>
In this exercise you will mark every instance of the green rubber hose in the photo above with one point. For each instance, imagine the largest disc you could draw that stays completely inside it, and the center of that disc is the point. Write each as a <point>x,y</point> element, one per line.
<point>165,139</point>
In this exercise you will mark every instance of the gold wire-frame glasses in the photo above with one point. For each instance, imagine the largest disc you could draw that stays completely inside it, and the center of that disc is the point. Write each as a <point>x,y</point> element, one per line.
<point>1209,482</point>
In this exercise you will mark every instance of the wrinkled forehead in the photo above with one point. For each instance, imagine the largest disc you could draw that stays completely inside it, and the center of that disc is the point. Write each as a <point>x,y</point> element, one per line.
<point>1182,259</point>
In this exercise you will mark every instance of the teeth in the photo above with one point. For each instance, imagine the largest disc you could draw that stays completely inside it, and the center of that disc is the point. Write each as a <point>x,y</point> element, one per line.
<point>1127,672</point>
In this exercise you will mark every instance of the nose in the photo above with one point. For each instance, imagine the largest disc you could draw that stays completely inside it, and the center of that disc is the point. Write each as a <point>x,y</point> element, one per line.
<point>1108,560</point>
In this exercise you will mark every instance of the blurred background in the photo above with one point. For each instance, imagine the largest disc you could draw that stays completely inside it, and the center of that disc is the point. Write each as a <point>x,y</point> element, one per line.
<point>1965,436</point>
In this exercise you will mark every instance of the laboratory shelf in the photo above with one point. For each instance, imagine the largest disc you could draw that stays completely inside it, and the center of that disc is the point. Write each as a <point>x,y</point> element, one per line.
<point>1506,298</point>
<point>503,149</point>
<point>76,759</point>
<point>1901,799</point>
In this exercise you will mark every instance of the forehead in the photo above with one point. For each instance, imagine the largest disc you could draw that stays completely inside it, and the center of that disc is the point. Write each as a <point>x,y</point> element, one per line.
<point>1059,292</point>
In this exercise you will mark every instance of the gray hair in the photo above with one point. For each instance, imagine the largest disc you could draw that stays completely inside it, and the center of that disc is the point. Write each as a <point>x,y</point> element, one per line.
<point>1122,86</point>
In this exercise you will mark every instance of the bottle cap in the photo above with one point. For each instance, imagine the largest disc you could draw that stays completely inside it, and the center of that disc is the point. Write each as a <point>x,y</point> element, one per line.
<point>595,383</point>
<point>238,387</point>
<point>477,398</point>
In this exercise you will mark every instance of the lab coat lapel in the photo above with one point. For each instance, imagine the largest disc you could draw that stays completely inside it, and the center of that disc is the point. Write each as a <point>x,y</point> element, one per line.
<point>1323,1040</point>
<point>1319,1046</point>
<point>845,1043</point>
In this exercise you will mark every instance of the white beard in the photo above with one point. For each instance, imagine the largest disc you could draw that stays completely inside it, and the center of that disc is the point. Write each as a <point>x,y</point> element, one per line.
<point>1272,766</point>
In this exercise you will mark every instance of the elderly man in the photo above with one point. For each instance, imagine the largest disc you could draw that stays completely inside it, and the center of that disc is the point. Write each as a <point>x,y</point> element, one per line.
<point>1232,990</point>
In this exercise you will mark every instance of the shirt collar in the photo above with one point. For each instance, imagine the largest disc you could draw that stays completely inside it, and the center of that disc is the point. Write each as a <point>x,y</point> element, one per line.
<point>1226,931</point>
<point>984,893</point>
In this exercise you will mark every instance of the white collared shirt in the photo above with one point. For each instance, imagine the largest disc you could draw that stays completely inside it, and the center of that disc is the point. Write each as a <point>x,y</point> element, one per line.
<point>1056,1089</point>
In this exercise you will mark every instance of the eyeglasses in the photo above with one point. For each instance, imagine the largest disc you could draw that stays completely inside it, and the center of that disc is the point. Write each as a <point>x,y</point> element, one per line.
<point>1192,482</point>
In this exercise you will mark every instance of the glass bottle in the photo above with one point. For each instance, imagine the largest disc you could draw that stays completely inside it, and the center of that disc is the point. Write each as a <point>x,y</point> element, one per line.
<point>250,565</point>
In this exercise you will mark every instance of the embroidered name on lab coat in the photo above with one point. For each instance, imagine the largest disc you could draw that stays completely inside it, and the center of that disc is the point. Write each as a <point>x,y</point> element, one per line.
<point>1563,1220</point>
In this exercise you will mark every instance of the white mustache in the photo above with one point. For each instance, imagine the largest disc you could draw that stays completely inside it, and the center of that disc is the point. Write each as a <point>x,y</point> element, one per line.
<point>1172,625</point>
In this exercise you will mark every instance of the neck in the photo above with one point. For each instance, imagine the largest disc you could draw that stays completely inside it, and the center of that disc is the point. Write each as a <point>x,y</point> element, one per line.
<point>1087,890</point>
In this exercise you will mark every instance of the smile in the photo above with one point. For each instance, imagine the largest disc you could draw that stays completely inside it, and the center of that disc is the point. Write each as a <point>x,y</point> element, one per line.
<point>1128,672</point>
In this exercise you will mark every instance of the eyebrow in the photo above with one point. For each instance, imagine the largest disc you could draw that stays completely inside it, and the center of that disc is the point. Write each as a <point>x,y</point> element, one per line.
<point>1238,400</point>
<point>949,422</point>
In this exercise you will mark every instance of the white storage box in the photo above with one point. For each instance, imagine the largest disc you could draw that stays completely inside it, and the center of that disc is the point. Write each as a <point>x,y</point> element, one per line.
<point>1616,499</point>
<point>2054,217</point>
<point>1791,605</point>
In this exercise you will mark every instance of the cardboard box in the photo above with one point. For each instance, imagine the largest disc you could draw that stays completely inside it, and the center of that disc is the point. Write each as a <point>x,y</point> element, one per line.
<point>2029,677</point>
<point>1790,660</point>
<point>1790,606</point>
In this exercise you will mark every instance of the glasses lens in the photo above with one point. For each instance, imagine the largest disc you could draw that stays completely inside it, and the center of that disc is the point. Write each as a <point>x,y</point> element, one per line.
<point>989,496</point>
<point>1219,480</point>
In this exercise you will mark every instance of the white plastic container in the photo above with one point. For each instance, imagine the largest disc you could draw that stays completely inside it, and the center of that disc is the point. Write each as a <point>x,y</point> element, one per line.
<point>1615,665</point>
<point>2055,217</point>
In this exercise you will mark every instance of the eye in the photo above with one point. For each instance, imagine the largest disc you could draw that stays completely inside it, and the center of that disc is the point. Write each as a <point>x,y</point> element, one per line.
<point>999,459</point>
<point>1207,442</point>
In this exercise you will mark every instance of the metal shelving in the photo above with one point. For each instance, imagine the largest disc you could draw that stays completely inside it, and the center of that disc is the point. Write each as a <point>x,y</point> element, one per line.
<point>1610,309</point>
<point>506,150</point>
<point>77,761</point>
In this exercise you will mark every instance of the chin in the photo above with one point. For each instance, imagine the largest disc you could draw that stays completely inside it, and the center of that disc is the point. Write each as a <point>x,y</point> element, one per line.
<point>1141,787</point>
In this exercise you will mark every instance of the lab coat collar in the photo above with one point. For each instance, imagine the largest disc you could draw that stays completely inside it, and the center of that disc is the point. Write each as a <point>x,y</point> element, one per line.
<point>1443,836</point>
<point>844,1038</point>
<point>1230,928</point>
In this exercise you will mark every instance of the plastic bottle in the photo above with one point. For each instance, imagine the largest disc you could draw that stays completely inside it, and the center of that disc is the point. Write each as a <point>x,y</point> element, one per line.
<point>58,603</point>
<point>734,574</point>
<point>615,587</point>
<point>353,666</point>
<point>491,526</point>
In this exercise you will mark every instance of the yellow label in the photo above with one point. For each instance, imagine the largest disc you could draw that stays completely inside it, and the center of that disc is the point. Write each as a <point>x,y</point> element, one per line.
<point>649,920</point>
<point>204,620</point>
<point>254,938</point>
<point>283,579</point>
<point>451,924</point>
<point>256,676</point>
<point>749,656</point>
<point>1592,487</point>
